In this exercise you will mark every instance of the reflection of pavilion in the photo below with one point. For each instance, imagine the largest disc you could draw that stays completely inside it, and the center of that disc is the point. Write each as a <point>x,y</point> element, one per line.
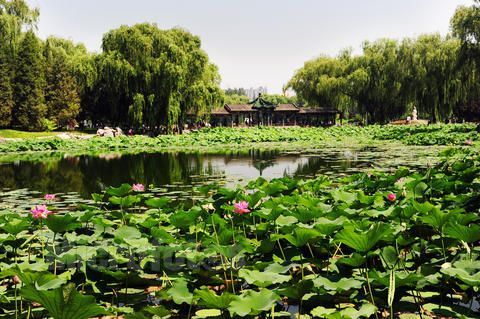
<point>258,163</point>
<point>263,112</point>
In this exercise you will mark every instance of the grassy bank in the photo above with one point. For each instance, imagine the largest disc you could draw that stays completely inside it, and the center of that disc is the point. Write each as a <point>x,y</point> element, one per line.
<point>16,134</point>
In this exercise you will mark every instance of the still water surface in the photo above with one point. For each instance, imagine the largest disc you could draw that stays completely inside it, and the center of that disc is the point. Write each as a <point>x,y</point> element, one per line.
<point>176,173</point>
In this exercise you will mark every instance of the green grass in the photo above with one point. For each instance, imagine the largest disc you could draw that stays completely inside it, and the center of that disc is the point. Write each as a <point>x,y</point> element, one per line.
<point>8,133</point>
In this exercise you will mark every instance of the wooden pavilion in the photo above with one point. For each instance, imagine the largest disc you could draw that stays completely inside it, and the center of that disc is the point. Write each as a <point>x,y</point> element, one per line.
<point>262,112</point>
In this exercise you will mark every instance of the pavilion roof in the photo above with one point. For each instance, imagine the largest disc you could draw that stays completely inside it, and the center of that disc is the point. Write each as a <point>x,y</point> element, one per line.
<point>259,103</point>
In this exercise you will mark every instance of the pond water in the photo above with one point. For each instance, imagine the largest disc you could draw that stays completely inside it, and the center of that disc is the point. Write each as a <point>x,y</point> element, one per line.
<point>176,173</point>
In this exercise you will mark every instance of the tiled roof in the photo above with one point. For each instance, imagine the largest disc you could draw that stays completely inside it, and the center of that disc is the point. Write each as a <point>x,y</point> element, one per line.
<point>287,107</point>
<point>220,111</point>
<point>239,108</point>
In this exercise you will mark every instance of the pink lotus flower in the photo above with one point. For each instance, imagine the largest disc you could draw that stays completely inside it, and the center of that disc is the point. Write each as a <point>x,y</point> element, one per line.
<point>468,142</point>
<point>40,212</point>
<point>49,197</point>
<point>138,187</point>
<point>241,208</point>
<point>391,197</point>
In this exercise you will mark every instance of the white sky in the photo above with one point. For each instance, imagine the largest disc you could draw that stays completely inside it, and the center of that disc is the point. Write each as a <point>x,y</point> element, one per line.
<point>254,42</point>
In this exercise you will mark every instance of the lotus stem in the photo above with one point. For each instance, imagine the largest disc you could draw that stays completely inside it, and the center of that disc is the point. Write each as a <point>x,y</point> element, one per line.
<point>231,274</point>
<point>55,254</point>
<point>221,256</point>
<point>16,302</point>
<point>370,290</point>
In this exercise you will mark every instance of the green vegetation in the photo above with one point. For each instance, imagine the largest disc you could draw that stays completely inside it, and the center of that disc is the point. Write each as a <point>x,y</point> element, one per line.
<point>6,133</point>
<point>239,96</point>
<point>372,245</point>
<point>390,78</point>
<point>459,134</point>
<point>438,75</point>
<point>58,80</point>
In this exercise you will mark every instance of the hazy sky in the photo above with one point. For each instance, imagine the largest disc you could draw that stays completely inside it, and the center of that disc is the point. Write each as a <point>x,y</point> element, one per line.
<point>254,42</point>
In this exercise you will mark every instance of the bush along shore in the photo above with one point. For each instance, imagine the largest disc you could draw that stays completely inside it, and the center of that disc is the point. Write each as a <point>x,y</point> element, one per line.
<point>454,134</point>
<point>380,245</point>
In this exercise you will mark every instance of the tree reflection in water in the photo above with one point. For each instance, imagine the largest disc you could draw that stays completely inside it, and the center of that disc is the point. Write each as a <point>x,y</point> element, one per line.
<point>175,170</point>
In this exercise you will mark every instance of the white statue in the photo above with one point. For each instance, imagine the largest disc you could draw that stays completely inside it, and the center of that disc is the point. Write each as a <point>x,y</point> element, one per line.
<point>414,114</point>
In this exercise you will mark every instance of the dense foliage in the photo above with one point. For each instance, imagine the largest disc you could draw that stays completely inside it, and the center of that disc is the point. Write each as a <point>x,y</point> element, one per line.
<point>453,134</point>
<point>372,245</point>
<point>437,75</point>
<point>390,78</point>
<point>239,96</point>
<point>56,80</point>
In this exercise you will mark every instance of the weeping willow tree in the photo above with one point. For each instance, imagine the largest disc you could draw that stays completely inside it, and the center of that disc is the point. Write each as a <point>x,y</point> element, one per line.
<point>135,111</point>
<point>167,67</point>
<point>438,81</point>
<point>14,16</point>
<point>389,78</point>
<point>466,27</point>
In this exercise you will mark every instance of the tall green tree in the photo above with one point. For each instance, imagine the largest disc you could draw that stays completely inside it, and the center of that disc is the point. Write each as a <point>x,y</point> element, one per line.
<point>61,92</point>
<point>236,99</point>
<point>167,66</point>
<point>29,84</point>
<point>6,92</point>
<point>14,15</point>
<point>466,26</point>
<point>388,79</point>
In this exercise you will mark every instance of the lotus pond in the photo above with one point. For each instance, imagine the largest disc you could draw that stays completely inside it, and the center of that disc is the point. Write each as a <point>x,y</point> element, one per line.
<point>394,244</point>
<point>177,174</point>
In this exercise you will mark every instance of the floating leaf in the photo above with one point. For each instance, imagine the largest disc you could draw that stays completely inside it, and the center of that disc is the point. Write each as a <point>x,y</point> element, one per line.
<point>208,313</point>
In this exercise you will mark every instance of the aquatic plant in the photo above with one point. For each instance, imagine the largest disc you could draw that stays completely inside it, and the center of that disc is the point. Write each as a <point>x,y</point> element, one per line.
<point>318,248</point>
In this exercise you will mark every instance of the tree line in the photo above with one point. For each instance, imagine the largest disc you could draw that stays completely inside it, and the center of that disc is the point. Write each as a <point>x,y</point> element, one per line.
<point>144,76</point>
<point>239,96</point>
<point>439,75</point>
